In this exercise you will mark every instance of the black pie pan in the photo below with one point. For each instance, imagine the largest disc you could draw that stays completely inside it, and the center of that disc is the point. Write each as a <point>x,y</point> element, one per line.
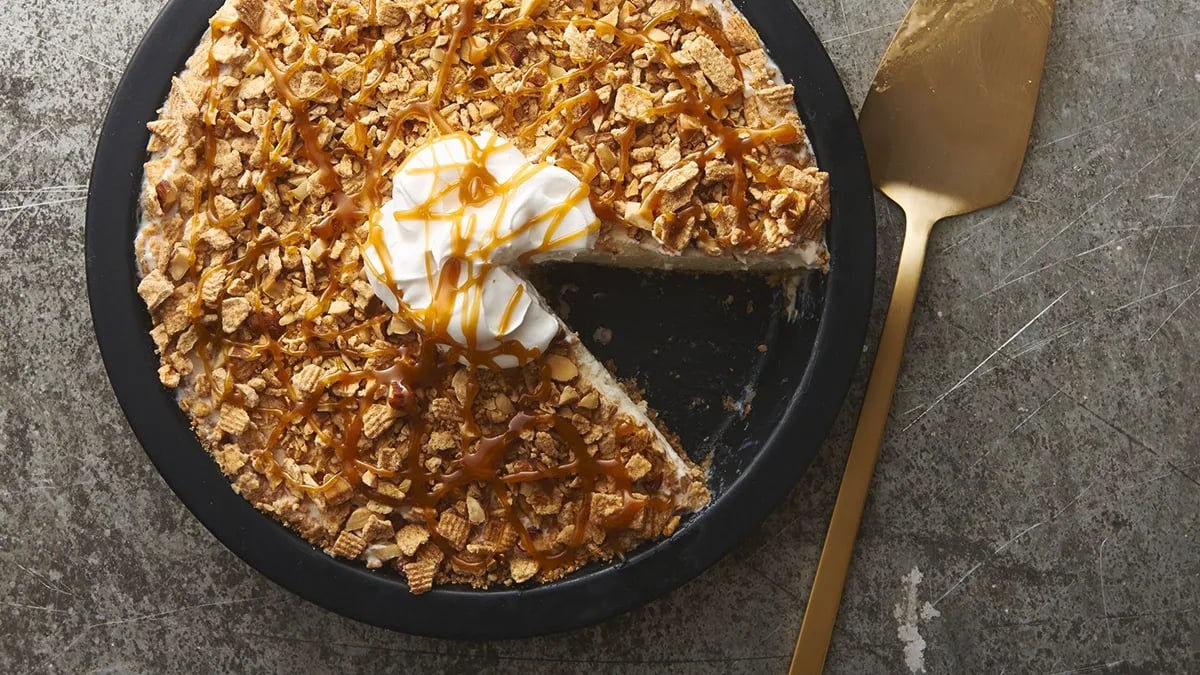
<point>726,371</point>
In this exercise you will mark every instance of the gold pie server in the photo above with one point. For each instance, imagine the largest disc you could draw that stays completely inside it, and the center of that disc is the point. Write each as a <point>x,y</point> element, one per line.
<point>946,124</point>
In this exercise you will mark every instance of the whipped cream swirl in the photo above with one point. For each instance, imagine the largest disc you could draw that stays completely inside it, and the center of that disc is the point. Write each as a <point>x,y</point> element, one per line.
<point>463,209</point>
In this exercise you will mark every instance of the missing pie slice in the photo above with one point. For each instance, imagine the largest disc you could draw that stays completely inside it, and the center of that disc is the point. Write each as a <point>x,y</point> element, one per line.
<point>441,420</point>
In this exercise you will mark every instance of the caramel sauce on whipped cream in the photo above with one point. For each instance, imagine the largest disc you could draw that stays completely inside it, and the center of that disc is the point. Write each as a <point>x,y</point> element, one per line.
<point>462,209</point>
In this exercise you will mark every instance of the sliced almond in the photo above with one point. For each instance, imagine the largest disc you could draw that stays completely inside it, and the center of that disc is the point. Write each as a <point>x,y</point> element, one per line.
<point>358,519</point>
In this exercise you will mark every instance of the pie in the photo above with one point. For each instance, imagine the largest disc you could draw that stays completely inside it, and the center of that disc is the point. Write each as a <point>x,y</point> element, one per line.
<point>370,422</point>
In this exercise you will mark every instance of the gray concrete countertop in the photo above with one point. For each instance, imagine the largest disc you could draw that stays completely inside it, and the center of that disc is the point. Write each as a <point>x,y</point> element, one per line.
<point>1036,509</point>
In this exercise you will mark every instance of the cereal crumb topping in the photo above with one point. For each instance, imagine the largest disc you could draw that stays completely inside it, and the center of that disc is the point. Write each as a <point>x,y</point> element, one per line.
<point>334,415</point>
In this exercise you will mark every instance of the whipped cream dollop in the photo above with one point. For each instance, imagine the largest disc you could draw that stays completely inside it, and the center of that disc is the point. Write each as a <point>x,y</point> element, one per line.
<point>463,209</point>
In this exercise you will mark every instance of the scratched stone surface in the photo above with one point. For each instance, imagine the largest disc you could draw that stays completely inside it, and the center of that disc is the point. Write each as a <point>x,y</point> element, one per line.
<point>1036,509</point>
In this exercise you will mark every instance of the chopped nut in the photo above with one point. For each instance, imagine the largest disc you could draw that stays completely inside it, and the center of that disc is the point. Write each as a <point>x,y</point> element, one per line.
<point>382,552</point>
<point>668,158</point>
<point>636,216</point>
<point>475,512</point>
<point>391,490</point>
<point>672,524</point>
<point>339,307</point>
<point>181,262</point>
<point>398,326</point>
<point>608,160</point>
<point>504,404</point>
<point>488,110</point>
<point>460,384</point>
<point>358,519</point>
<point>561,368</point>
<point>474,50</point>
<point>568,396</point>
<point>530,9</point>
<point>339,492</point>
<point>166,193</point>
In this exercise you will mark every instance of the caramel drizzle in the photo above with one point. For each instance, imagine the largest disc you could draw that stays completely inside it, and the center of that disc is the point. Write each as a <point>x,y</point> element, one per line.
<point>473,244</point>
<point>422,367</point>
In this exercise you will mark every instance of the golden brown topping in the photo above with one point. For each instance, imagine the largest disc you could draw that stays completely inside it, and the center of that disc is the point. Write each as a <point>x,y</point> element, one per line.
<point>338,492</point>
<point>410,538</point>
<point>168,376</point>
<point>234,420</point>
<point>522,569</point>
<point>280,140</point>
<point>561,368</point>
<point>233,312</point>
<point>633,102</point>
<point>377,529</point>
<point>530,9</point>
<point>218,239</point>
<point>420,575</point>
<point>213,286</point>
<point>358,519</point>
<point>590,401</point>
<point>348,545</point>
<point>377,419</point>
<point>714,64</point>
<point>454,529</point>
<point>155,288</point>
<point>250,13</point>
<point>676,186</point>
<point>638,466</point>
